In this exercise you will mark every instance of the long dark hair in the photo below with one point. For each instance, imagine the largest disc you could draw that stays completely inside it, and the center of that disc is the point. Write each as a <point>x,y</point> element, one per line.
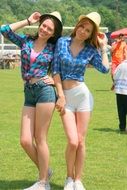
<point>57,31</point>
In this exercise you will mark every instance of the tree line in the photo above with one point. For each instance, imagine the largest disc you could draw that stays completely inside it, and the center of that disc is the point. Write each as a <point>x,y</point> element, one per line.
<point>113,12</point>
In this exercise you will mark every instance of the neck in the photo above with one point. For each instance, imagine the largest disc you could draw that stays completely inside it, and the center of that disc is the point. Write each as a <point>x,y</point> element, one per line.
<point>39,44</point>
<point>78,42</point>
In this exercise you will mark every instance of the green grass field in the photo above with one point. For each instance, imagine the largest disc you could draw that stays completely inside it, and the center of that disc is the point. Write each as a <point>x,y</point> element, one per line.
<point>106,161</point>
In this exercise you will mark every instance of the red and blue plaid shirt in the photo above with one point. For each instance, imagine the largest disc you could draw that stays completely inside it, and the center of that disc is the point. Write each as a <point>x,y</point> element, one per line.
<point>39,67</point>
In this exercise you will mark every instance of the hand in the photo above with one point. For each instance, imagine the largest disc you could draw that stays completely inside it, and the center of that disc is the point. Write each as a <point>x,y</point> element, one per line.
<point>48,80</point>
<point>35,17</point>
<point>102,39</point>
<point>60,105</point>
<point>100,35</point>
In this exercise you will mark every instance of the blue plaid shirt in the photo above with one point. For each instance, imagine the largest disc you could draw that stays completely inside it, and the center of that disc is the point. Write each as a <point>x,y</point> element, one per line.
<point>73,68</point>
<point>39,67</point>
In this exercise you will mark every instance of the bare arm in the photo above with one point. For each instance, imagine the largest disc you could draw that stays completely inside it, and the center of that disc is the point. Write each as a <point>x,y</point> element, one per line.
<point>103,45</point>
<point>35,17</point>
<point>61,98</point>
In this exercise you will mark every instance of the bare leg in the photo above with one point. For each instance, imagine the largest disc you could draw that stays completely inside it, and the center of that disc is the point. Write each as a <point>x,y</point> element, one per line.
<point>44,113</point>
<point>69,123</point>
<point>82,125</point>
<point>27,133</point>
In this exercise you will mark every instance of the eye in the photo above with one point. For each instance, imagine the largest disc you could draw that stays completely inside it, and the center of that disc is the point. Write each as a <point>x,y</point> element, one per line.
<point>44,25</point>
<point>81,26</point>
<point>88,30</point>
<point>50,29</point>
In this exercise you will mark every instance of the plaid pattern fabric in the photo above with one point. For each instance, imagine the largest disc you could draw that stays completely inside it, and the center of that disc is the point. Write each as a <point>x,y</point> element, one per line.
<point>39,67</point>
<point>70,67</point>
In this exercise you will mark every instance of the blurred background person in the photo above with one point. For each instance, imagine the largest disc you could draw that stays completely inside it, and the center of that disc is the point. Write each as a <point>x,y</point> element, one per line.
<point>118,53</point>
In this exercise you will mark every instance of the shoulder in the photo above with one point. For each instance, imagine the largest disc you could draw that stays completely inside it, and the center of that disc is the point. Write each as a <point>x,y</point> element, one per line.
<point>64,39</point>
<point>62,42</point>
<point>123,64</point>
<point>50,46</point>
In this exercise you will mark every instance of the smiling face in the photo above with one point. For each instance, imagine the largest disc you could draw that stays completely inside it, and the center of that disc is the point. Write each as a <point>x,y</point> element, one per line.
<point>84,30</point>
<point>46,29</point>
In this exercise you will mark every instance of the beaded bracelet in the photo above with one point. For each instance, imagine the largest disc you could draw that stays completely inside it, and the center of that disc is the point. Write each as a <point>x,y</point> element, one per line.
<point>28,22</point>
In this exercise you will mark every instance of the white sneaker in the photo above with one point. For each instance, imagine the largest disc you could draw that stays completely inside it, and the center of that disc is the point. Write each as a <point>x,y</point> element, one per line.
<point>40,185</point>
<point>69,184</point>
<point>78,185</point>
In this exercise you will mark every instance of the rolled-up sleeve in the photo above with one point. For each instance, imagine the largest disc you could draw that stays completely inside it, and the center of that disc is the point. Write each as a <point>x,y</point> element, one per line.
<point>12,36</point>
<point>97,62</point>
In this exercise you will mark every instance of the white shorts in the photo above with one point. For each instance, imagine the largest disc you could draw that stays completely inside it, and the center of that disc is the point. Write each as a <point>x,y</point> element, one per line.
<point>79,99</point>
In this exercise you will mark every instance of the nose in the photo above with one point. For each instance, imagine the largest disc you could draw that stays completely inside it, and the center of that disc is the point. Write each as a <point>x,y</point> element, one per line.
<point>45,29</point>
<point>82,31</point>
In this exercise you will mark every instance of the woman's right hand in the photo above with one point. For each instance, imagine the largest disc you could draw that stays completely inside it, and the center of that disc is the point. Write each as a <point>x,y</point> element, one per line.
<point>35,17</point>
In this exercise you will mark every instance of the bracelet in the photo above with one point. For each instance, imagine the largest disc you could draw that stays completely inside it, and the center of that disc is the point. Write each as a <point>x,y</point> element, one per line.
<point>28,22</point>
<point>103,51</point>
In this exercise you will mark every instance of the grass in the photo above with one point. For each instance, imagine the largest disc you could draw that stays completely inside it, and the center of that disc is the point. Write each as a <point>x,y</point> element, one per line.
<point>106,160</point>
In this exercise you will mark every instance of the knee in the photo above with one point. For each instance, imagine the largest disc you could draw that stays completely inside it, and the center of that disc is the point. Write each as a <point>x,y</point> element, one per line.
<point>81,142</point>
<point>73,145</point>
<point>25,143</point>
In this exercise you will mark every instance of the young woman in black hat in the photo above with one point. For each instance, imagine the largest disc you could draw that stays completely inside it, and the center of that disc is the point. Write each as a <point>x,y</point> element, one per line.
<point>39,93</point>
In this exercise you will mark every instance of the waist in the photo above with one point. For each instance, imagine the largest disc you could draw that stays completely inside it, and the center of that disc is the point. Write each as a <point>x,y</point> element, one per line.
<point>34,80</point>
<point>69,84</point>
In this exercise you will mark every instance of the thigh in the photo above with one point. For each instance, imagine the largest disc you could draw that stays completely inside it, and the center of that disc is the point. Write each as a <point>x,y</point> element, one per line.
<point>44,112</point>
<point>69,124</point>
<point>83,119</point>
<point>85,100</point>
<point>27,123</point>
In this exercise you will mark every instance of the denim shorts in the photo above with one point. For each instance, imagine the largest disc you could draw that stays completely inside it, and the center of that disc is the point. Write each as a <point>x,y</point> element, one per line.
<point>38,92</point>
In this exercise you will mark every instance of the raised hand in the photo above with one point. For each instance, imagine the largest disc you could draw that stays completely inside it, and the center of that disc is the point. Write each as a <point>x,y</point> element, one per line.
<point>102,39</point>
<point>35,17</point>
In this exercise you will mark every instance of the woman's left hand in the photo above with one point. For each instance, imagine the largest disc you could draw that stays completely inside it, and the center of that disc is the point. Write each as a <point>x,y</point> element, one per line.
<point>102,39</point>
<point>48,80</point>
<point>60,105</point>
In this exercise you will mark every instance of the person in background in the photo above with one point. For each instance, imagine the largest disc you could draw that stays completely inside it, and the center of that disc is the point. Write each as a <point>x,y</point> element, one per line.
<point>40,97</point>
<point>120,88</point>
<point>75,102</point>
<point>118,52</point>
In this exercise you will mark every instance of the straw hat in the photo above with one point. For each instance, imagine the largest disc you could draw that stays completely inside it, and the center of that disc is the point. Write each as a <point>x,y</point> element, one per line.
<point>55,15</point>
<point>94,16</point>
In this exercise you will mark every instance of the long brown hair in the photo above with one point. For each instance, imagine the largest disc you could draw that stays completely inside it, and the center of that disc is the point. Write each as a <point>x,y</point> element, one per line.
<point>93,38</point>
<point>57,31</point>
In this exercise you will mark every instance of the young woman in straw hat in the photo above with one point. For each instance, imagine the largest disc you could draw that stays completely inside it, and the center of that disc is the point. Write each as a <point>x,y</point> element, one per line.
<point>40,97</point>
<point>75,102</point>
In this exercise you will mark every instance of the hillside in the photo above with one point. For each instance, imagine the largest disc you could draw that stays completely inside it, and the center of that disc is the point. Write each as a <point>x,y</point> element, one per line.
<point>113,12</point>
